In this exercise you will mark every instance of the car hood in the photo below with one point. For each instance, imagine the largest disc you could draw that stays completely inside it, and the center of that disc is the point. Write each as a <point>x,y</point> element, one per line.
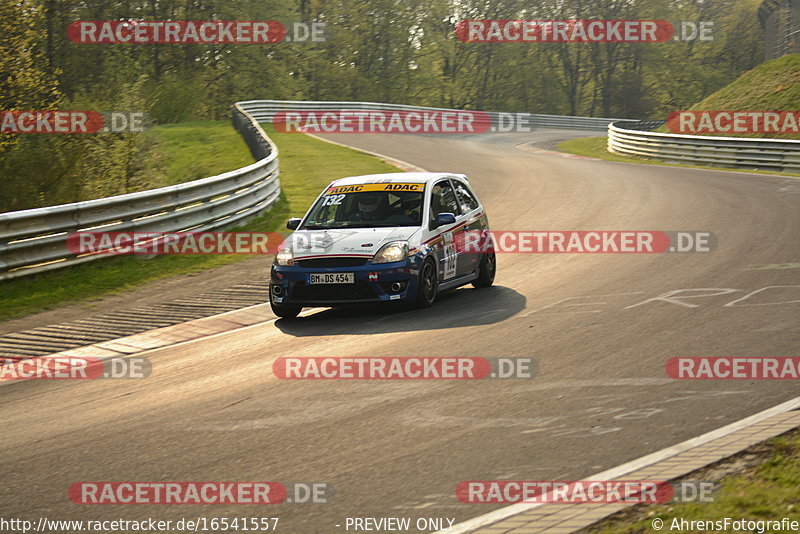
<point>346,241</point>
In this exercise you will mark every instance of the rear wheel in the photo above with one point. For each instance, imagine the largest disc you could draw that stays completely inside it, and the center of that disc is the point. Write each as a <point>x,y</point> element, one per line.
<point>486,270</point>
<point>427,284</point>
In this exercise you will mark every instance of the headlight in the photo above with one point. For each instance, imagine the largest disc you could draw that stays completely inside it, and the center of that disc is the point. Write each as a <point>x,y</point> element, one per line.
<point>284,257</point>
<point>391,252</point>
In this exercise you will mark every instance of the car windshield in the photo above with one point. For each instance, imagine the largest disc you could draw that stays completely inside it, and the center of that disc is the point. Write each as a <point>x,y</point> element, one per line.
<point>367,206</point>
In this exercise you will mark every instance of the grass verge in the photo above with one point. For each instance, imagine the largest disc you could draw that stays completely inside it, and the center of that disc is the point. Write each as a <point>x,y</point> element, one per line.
<point>771,86</point>
<point>766,491</point>
<point>196,150</point>
<point>596,147</point>
<point>302,177</point>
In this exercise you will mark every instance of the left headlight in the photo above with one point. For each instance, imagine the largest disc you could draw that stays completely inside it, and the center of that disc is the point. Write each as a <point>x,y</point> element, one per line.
<point>392,252</point>
<point>284,257</point>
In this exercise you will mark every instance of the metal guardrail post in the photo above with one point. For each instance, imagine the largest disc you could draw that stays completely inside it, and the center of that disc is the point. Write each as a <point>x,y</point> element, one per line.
<point>265,111</point>
<point>638,139</point>
<point>34,241</point>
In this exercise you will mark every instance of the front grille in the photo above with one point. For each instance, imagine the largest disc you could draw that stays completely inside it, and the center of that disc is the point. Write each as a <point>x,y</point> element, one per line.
<point>332,262</point>
<point>332,292</point>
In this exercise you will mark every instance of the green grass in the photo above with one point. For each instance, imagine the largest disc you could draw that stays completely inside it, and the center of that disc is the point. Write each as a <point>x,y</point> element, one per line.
<point>771,86</point>
<point>596,147</point>
<point>306,164</point>
<point>199,149</point>
<point>774,85</point>
<point>768,491</point>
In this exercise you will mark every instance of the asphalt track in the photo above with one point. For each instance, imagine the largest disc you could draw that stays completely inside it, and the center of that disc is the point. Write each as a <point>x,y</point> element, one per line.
<point>213,411</point>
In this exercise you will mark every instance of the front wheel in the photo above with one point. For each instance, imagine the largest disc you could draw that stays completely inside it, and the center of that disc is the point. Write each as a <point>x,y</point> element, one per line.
<point>285,311</point>
<point>486,270</point>
<point>427,285</point>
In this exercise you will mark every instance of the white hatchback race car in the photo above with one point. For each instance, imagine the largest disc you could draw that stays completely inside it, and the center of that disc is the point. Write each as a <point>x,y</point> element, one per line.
<point>383,238</point>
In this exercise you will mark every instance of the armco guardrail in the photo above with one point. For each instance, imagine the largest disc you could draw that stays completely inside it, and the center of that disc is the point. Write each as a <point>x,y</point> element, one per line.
<point>634,139</point>
<point>35,240</point>
<point>265,110</point>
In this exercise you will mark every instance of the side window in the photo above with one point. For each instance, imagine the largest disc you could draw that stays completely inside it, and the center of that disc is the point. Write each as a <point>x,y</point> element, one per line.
<point>465,197</point>
<point>443,200</point>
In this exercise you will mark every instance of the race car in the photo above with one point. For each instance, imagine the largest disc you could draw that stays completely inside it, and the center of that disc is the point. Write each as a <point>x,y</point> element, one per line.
<point>383,238</point>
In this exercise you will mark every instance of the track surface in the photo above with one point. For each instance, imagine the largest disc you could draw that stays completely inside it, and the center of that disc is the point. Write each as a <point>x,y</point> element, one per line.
<point>212,409</point>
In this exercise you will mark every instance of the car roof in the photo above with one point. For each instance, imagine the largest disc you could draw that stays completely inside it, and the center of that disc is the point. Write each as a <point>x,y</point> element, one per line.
<point>396,177</point>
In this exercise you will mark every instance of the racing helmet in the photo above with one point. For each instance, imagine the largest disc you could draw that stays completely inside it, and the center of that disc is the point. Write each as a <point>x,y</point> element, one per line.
<point>368,203</point>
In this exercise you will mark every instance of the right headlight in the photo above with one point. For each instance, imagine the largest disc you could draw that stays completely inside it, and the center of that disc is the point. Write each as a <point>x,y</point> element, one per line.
<point>285,257</point>
<point>391,252</point>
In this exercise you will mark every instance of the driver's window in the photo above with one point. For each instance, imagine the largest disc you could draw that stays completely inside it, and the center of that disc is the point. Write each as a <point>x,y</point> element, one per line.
<point>443,200</point>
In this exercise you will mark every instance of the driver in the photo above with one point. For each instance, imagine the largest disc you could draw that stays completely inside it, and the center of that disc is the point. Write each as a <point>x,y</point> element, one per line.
<point>367,207</point>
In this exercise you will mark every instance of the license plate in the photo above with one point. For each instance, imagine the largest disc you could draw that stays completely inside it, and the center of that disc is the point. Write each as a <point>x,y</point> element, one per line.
<point>331,278</point>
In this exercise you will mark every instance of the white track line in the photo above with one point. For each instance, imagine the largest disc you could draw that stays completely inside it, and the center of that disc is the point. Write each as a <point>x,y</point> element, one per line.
<point>633,465</point>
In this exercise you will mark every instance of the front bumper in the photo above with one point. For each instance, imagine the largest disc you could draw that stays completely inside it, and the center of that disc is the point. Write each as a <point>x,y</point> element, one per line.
<point>384,282</point>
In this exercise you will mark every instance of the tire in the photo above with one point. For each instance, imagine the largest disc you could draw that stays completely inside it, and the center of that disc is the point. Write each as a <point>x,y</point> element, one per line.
<point>486,271</point>
<point>284,311</point>
<point>427,285</point>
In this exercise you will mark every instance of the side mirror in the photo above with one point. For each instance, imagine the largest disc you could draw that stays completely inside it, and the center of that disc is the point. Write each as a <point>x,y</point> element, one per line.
<point>293,223</point>
<point>444,219</point>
